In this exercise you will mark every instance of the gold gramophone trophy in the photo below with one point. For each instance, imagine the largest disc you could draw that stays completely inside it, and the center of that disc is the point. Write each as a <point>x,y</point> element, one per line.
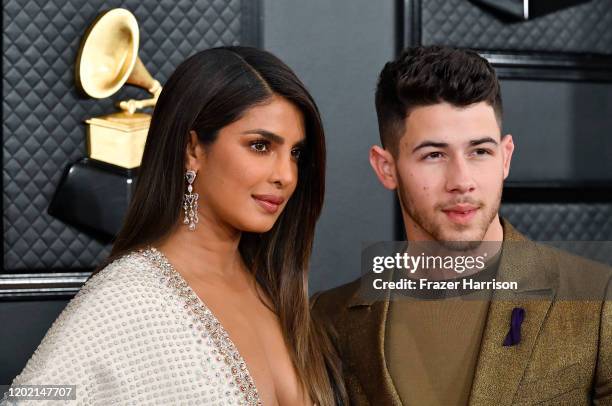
<point>95,191</point>
<point>108,59</point>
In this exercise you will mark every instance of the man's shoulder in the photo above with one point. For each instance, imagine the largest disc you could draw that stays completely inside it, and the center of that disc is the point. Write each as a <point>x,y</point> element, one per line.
<point>338,297</point>
<point>566,260</point>
<point>574,276</point>
<point>577,266</point>
<point>567,263</point>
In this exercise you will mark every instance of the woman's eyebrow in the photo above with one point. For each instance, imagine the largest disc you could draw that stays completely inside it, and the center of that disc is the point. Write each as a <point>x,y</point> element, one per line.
<point>269,135</point>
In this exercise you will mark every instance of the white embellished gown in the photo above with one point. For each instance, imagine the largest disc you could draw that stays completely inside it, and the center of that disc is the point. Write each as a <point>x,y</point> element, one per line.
<point>137,334</point>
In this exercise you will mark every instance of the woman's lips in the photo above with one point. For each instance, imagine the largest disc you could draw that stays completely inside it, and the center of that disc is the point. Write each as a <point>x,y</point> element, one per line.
<point>269,203</point>
<point>461,215</point>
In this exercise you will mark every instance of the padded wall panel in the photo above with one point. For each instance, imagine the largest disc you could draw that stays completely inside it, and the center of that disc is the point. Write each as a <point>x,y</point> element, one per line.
<point>561,221</point>
<point>584,229</point>
<point>585,28</point>
<point>43,114</point>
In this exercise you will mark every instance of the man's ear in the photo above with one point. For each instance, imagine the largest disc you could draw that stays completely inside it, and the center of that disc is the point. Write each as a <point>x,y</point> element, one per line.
<point>193,152</point>
<point>507,147</point>
<point>383,163</point>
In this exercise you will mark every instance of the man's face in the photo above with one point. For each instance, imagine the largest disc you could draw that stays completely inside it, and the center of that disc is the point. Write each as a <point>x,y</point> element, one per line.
<point>449,170</point>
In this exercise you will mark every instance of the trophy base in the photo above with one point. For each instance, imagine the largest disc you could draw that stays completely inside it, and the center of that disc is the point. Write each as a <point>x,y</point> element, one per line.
<point>94,196</point>
<point>118,138</point>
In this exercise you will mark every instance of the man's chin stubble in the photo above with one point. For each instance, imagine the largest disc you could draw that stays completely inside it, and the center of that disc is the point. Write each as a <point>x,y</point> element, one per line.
<point>460,245</point>
<point>459,241</point>
<point>470,242</point>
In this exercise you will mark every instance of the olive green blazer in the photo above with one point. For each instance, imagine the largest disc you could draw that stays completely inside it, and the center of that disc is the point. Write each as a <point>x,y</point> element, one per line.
<point>564,356</point>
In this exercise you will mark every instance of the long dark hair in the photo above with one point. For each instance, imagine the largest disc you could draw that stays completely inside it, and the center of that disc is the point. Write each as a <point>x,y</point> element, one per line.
<point>208,91</point>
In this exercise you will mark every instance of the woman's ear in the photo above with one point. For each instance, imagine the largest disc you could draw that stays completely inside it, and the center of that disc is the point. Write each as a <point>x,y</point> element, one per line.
<point>384,166</point>
<point>193,152</point>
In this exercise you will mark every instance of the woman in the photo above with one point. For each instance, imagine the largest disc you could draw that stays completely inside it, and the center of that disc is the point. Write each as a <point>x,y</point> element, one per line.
<point>204,298</point>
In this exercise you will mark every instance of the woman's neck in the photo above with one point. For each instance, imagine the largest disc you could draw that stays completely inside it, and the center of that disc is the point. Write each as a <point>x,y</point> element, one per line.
<point>209,249</point>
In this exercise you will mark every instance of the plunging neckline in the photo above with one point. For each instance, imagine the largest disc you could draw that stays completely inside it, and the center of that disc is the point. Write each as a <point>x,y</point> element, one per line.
<point>196,307</point>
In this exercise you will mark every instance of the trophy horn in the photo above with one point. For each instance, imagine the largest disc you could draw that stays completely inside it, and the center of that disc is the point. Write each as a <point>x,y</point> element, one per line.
<point>108,59</point>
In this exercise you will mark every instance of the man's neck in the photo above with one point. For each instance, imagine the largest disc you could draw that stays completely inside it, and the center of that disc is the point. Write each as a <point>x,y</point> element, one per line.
<point>489,249</point>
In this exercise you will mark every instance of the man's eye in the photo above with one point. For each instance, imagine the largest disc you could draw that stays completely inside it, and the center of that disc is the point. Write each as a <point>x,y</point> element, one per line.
<point>481,151</point>
<point>433,155</point>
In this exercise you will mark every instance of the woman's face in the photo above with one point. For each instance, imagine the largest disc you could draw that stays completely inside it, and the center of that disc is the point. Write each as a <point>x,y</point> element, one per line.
<point>247,175</point>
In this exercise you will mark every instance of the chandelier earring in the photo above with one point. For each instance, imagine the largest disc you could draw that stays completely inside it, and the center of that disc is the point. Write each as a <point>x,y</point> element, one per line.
<point>190,202</point>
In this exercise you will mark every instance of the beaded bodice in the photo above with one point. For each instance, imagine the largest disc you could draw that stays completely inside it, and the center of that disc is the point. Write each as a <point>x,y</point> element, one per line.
<point>136,333</point>
<point>205,322</point>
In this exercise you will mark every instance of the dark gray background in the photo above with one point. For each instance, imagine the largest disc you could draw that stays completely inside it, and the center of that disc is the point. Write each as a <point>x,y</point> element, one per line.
<point>337,48</point>
<point>561,130</point>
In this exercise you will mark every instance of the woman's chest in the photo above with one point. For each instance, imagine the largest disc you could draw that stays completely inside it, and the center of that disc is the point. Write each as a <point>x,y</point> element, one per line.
<point>257,336</point>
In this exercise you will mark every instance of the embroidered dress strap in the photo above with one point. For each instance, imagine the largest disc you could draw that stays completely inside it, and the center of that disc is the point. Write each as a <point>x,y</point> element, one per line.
<point>204,316</point>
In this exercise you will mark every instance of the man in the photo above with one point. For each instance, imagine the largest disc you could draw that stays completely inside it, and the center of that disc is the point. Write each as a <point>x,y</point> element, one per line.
<point>440,114</point>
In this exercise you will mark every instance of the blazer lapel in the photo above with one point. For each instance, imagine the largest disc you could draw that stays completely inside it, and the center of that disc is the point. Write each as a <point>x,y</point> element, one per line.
<point>500,369</point>
<point>368,319</point>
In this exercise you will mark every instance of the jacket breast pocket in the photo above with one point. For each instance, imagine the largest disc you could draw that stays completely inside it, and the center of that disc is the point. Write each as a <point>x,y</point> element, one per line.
<point>559,384</point>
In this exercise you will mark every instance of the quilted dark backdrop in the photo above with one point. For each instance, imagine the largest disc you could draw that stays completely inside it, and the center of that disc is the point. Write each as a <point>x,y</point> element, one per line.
<point>585,28</point>
<point>561,221</point>
<point>43,114</point>
<point>567,223</point>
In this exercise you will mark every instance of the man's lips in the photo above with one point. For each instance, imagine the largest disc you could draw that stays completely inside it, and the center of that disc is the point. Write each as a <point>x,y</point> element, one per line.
<point>461,214</point>
<point>269,203</point>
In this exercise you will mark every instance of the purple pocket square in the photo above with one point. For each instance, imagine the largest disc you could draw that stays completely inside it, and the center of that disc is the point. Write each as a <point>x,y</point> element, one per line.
<point>514,334</point>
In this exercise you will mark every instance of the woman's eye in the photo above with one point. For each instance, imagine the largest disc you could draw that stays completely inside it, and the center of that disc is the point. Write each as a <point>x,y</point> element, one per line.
<point>296,153</point>
<point>260,146</point>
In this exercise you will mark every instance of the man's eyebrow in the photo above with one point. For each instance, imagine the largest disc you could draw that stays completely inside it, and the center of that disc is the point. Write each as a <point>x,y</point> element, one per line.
<point>425,144</point>
<point>269,135</point>
<point>434,144</point>
<point>482,141</point>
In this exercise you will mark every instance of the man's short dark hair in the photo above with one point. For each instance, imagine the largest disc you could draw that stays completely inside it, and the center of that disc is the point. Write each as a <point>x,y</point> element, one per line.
<point>428,75</point>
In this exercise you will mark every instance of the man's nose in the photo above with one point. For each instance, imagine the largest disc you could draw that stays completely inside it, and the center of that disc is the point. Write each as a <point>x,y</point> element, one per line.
<point>459,177</point>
